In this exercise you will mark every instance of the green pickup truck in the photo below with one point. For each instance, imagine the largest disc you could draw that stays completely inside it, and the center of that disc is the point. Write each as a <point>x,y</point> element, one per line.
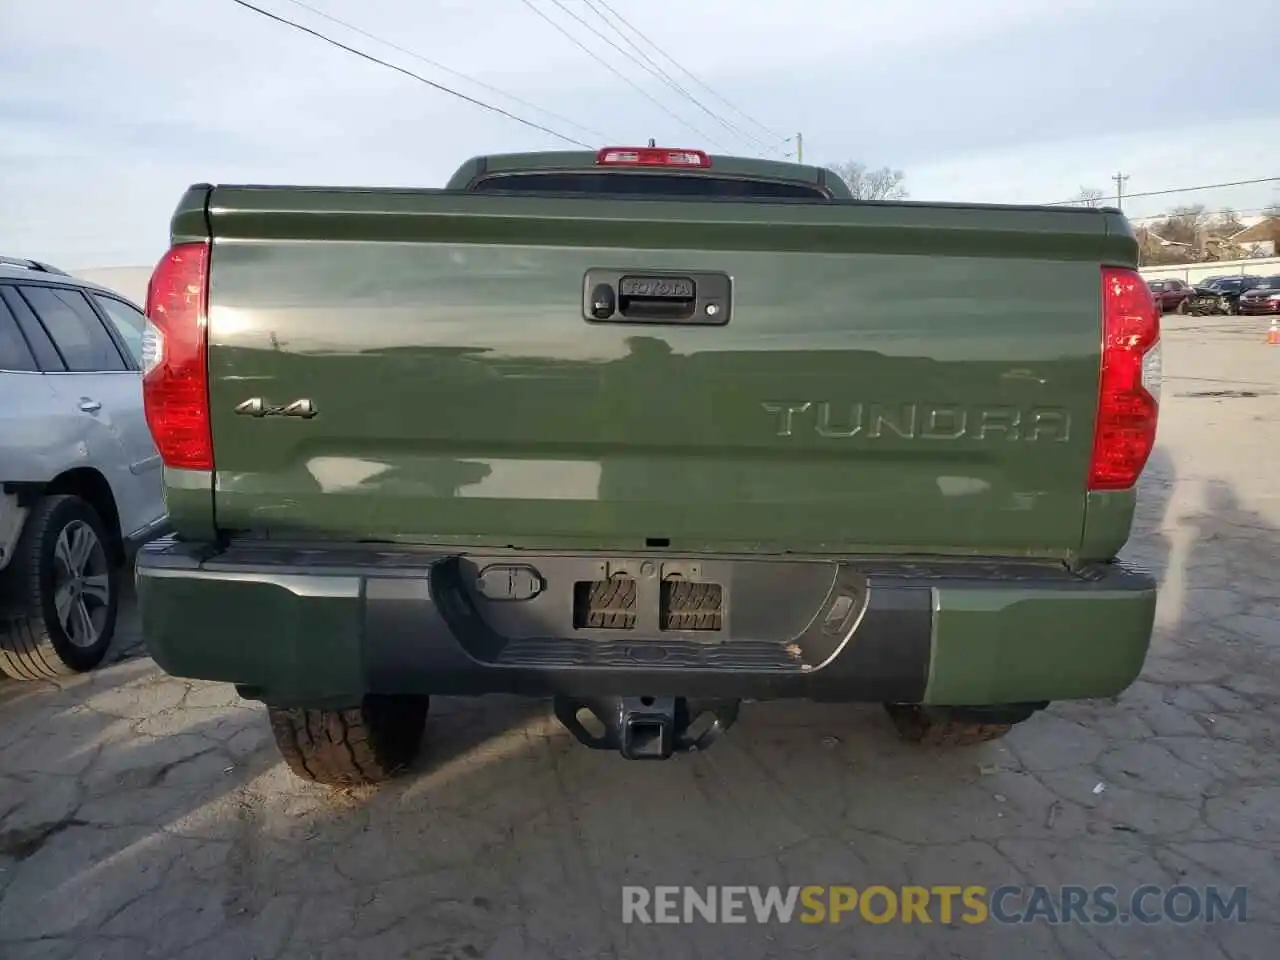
<point>648,432</point>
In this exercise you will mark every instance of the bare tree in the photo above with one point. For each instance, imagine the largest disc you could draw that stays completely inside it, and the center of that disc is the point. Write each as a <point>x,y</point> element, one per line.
<point>1221,231</point>
<point>1185,225</point>
<point>864,184</point>
<point>1226,223</point>
<point>1088,197</point>
<point>1154,250</point>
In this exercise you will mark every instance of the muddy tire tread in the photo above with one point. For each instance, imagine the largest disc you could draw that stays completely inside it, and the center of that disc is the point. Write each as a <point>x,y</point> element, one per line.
<point>366,744</point>
<point>930,728</point>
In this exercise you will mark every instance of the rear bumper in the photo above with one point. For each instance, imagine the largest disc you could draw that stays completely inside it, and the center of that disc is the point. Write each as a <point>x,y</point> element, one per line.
<point>318,625</point>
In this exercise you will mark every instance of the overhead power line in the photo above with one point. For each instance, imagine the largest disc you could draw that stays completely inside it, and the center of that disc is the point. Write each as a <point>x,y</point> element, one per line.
<point>655,70</point>
<point>615,71</point>
<point>636,30</point>
<point>409,73</point>
<point>1164,193</point>
<point>441,67</point>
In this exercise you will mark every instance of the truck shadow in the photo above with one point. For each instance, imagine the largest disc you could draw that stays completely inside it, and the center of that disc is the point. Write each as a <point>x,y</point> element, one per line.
<point>127,796</point>
<point>1230,581</point>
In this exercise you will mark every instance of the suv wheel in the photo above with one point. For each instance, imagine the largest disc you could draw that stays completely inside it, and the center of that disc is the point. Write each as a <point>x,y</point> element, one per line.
<point>63,593</point>
<point>366,744</point>
<point>956,726</point>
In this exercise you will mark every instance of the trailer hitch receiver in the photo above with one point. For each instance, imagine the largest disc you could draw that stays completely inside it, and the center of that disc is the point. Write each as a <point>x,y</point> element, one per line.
<point>646,728</point>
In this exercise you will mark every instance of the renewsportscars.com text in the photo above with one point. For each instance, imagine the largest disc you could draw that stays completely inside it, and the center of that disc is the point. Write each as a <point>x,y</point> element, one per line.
<point>943,904</point>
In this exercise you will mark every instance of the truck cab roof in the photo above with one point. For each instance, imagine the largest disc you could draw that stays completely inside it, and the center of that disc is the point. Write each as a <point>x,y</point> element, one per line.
<point>581,171</point>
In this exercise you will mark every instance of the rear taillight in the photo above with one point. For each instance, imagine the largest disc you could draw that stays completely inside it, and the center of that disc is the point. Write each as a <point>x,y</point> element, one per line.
<point>1129,392</point>
<point>651,157</point>
<point>175,380</point>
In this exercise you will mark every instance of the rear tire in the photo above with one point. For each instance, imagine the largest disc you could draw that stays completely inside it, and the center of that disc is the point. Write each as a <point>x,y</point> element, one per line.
<point>954,726</point>
<point>61,593</point>
<point>366,744</point>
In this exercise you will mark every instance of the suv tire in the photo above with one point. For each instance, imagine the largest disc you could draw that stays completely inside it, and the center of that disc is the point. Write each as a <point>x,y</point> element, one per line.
<point>954,726</point>
<point>366,744</point>
<point>62,593</point>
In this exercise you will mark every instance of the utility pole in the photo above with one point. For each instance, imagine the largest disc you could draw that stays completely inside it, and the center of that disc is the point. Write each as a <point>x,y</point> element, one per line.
<point>799,142</point>
<point>1121,179</point>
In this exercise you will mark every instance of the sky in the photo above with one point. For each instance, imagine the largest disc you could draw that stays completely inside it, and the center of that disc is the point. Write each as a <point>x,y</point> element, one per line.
<point>109,109</point>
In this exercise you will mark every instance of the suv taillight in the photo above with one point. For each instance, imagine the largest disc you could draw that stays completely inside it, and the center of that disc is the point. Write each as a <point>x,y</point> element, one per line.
<point>175,380</point>
<point>1129,391</point>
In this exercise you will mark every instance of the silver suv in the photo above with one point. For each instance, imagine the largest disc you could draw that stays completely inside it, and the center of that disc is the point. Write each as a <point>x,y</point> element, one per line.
<point>80,479</point>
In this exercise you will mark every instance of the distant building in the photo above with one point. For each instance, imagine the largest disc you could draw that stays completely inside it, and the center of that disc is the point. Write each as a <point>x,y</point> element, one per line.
<point>1259,238</point>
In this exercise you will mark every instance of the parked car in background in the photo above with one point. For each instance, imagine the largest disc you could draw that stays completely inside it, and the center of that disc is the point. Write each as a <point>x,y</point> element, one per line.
<point>1222,296</point>
<point>80,477</point>
<point>1262,298</point>
<point>1170,294</point>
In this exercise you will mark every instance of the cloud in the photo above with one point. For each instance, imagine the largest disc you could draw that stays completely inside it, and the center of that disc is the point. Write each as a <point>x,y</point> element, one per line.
<point>110,116</point>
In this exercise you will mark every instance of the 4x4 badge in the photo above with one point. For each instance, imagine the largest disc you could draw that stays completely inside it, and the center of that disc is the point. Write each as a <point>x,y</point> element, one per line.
<point>257,407</point>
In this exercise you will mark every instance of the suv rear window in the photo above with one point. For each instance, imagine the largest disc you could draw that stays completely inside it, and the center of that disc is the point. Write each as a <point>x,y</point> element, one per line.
<point>645,185</point>
<point>14,352</point>
<point>75,329</point>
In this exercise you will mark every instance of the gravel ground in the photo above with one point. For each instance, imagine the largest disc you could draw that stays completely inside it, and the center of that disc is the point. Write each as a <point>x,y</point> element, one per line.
<point>144,816</point>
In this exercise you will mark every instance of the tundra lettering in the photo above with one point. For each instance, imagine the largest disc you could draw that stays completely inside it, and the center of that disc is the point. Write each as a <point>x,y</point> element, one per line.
<point>911,421</point>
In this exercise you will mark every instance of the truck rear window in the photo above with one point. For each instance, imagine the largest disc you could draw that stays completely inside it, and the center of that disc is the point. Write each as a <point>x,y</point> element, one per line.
<point>646,185</point>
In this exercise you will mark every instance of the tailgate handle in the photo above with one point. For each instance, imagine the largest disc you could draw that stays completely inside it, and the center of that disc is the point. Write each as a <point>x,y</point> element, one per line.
<point>616,296</point>
<point>657,298</point>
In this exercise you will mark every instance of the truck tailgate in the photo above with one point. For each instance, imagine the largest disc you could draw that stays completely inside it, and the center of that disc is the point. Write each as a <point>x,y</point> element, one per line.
<point>896,377</point>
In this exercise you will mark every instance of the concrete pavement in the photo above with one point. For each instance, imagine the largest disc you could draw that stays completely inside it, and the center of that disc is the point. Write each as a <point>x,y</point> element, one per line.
<point>141,816</point>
